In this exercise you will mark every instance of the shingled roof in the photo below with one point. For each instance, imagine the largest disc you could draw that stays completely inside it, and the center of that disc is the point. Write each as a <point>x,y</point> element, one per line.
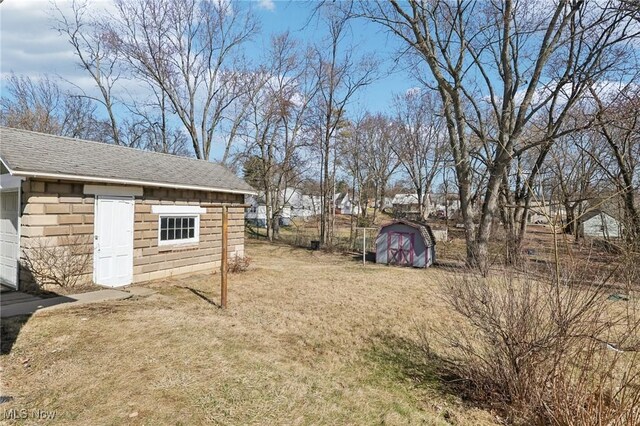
<point>423,228</point>
<point>27,153</point>
<point>596,212</point>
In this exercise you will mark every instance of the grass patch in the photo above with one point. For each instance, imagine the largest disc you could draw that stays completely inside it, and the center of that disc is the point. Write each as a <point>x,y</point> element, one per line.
<point>309,338</point>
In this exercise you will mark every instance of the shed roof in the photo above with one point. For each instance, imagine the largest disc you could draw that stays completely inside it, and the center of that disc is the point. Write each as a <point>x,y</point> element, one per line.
<point>423,228</point>
<point>593,213</point>
<point>27,153</point>
<point>405,199</point>
<point>341,197</point>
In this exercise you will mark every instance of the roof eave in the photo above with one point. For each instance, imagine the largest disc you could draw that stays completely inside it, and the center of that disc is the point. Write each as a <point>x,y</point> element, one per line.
<point>125,181</point>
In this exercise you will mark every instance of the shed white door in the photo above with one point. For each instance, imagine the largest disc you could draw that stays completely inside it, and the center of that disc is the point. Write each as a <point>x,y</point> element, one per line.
<point>9,240</point>
<point>113,241</point>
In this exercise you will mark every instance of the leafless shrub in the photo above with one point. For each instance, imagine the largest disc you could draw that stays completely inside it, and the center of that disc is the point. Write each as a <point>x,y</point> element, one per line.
<point>59,264</point>
<point>628,273</point>
<point>238,264</point>
<point>546,350</point>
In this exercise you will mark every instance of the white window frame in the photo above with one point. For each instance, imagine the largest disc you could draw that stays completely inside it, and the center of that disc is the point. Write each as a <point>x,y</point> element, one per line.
<point>182,212</point>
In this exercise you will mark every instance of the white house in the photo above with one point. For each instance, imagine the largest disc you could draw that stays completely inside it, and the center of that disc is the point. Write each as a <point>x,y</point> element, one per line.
<point>257,212</point>
<point>386,204</point>
<point>302,206</point>
<point>598,223</point>
<point>295,205</point>
<point>344,204</point>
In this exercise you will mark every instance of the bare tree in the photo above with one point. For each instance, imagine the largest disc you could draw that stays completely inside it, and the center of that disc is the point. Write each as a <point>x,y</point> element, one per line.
<point>275,128</point>
<point>90,45</point>
<point>188,51</point>
<point>381,161</point>
<point>420,141</point>
<point>618,125</point>
<point>499,65</point>
<point>576,178</point>
<point>153,133</point>
<point>340,74</point>
<point>353,164</point>
<point>543,349</point>
<point>42,106</point>
<point>64,263</point>
<point>353,151</point>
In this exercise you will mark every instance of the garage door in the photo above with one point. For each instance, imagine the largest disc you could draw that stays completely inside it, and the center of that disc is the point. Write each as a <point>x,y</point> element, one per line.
<point>9,243</point>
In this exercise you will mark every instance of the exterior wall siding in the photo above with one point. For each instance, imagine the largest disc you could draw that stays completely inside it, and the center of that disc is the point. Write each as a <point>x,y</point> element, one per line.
<point>151,261</point>
<point>55,214</point>
<point>603,226</point>
<point>58,213</point>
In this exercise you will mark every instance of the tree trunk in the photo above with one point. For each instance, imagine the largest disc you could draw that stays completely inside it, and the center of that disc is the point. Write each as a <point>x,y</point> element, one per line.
<point>631,213</point>
<point>467,212</point>
<point>569,225</point>
<point>489,206</point>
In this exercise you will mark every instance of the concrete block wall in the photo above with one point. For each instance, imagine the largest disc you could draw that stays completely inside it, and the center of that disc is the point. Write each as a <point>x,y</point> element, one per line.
<point>151,261</point>
<point>58,213</point>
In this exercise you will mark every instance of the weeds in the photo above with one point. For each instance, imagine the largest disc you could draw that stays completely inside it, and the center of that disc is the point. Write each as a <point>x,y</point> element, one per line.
<point>61,264</point>
<point>545,349</point>
<point>238,264</point>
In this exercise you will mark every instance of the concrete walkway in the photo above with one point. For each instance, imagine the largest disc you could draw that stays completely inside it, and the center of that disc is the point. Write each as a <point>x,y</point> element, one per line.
<point>17,303</point>
<point>12,297</point>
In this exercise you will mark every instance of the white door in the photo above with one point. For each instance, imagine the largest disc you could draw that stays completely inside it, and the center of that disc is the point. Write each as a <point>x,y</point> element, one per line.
<point>9,239</point>
<point>113,241</point>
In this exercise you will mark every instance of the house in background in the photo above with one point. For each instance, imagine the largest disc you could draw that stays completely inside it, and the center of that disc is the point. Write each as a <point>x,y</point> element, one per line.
<point>406,243</point>
<point>540,211</point>
<point>445,205</point>
<point>344,204</point>
<point>303,206</point>
<point>295,206</point>
<point>140,215</point>
<point>599,224</point>
<point>386,205</point>
<point>256,213</point>
<point>408,205</point>
<point>405,203</point>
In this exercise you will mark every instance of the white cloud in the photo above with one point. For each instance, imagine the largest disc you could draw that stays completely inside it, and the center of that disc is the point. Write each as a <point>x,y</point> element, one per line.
<point>30,46</point>
<point>28,43</point>
<point>267,4</point>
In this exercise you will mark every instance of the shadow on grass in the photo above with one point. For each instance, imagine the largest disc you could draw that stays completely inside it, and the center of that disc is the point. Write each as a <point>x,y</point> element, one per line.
<point>370,257</point>
<point>253,232</point>
<point>9,330</point>
<point>203,296</point>
<point>407,360</point>
<point>10,326</point>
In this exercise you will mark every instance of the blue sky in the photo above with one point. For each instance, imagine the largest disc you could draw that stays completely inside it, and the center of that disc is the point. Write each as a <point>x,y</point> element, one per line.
<point>294,16</point>
<point>29,45</point>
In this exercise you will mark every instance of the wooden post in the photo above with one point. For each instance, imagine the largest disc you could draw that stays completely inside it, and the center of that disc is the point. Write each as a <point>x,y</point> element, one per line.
<point>364,247</point>
<point>223,260</point>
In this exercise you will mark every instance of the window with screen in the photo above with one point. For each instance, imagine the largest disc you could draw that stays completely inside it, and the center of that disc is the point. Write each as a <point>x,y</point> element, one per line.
<point>178,229</point>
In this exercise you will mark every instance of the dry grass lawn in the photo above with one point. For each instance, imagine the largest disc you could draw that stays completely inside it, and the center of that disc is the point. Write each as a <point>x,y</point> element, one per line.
<point>309,338</point>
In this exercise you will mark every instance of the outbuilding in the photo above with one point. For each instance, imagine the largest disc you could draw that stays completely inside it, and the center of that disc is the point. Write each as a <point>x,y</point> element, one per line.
<point>598,223</point>
<point>406,243</point>
<point>138,215</point>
